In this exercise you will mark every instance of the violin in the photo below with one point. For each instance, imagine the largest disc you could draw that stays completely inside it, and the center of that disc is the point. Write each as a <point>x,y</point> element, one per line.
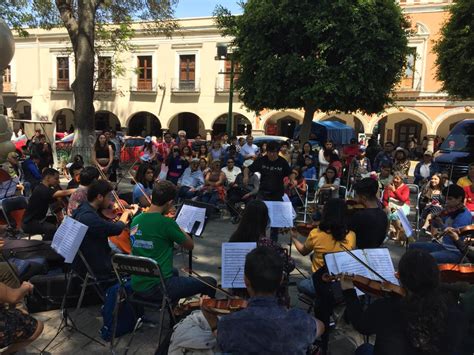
<point>450,273</point>
<point>371,287</point>
<point>305,228</point>
<point>214,306</point>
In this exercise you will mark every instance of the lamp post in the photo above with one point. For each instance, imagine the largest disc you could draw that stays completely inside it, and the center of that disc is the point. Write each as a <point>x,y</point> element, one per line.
<point>223,54</point>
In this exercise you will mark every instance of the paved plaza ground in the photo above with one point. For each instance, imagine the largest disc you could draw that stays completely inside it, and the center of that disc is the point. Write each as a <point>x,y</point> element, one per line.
<point>207,261</point>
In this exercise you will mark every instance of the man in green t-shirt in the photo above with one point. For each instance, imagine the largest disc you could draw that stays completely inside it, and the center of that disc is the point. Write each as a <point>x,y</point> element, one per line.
<point>153,236</point>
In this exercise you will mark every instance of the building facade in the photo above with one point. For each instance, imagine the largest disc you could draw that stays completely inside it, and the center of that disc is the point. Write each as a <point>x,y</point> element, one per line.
<point>177,83</point>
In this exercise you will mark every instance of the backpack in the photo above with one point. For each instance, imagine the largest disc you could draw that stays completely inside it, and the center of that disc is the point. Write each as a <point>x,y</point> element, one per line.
<point>127,313</point>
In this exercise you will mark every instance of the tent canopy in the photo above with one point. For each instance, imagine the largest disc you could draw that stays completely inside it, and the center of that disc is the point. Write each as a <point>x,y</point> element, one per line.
<point>321,131</point>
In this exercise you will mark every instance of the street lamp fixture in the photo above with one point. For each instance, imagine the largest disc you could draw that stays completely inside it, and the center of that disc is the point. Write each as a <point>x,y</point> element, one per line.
<point>223,53</point>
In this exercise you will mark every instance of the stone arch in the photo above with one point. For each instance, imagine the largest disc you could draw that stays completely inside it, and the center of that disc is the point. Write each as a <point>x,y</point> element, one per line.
<point>422,29</point>
<point>143,123</point>
<point>397,124</point>
<point>282,123</point>
<point>242,124</point>
<point>444,122</point>
<point>22,110</point>
<point>106,120</point>
<point>64,119</point>
<point>189,122</point>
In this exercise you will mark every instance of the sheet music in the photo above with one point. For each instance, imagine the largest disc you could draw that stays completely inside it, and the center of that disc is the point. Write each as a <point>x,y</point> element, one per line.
<point>280,213</point>
<point>233,263</point>
<point>405,223</point>
<point>381,261</point>
<point>188,215</point>
<point>68,238</point>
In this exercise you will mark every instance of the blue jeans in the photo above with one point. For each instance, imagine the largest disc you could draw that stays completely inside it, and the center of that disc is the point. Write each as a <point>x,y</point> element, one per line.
<point>365,349</point>
<point>180,287</point>
<point>210,197</point>
<point>184,193</point>
<point>306,287</point>
<point>438,251</point>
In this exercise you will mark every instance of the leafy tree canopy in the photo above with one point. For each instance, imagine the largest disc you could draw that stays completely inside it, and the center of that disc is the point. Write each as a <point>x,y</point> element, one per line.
<point>455,51</point>
<point>331,55</point>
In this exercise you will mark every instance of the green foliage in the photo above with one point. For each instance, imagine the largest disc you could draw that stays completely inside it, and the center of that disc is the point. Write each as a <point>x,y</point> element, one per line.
<point>332,55</point>
<point>455,51</point>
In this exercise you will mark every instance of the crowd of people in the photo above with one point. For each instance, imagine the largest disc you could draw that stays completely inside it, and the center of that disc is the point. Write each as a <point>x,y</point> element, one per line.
<point>238,175</point>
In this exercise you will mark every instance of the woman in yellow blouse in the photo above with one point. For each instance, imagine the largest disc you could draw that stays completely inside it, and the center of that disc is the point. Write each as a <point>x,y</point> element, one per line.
<point>331,236</point>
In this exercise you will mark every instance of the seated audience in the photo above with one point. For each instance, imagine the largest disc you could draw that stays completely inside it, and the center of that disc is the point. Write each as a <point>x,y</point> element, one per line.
<point>329,183</point>
<point>469,202</point>
<point>214,181</point>
<point>308,169</point>
<point>264,326</point>
<point>17,328</point>
<point>335,162</point>
<point>307,152</point>
<point>425,169</point>
<point>384,177</point>
<point>145,178</point>
<point>231,171</point>
<point>401,163</point>
<point>422,322</point>
<point>295,187</point>
<point>469,178</point>
<point>176,165</point>
<point>396,196</point>
<point>155,236</point>
<point>431,201</point>
<point>249,150</point>
<point>455,215</point>
<point>190,183</point>
<point>285,152</point>
<point>88,176</point>
<point>231,153</point>
<point>360,166</point>
<point>46,193</point>
<point>95,245</point>
<point>385,156</point>
<point>242,192</point>
<point>370,224</point>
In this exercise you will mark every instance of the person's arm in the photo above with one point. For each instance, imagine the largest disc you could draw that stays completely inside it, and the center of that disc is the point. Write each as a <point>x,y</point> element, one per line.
<point>34,170</point>
<point>402,194</point>
<point>94,158</point>
<point>14,295</point>
<point>302,248</point>
<point>63,193</point>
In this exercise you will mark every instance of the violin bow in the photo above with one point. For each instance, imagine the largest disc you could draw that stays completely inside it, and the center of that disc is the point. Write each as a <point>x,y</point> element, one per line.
<point>363,263</point>
<point>148,199</point>
<point>114,193</point>
<point>198,277</point>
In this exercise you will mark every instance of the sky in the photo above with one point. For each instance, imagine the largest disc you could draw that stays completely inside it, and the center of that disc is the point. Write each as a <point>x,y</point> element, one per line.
<point>197,8</point>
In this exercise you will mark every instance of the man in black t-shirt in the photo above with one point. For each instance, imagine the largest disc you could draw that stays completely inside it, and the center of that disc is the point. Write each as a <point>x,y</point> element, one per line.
<point>273,170</point>
<point>34,220</point>
<point>370,224</point>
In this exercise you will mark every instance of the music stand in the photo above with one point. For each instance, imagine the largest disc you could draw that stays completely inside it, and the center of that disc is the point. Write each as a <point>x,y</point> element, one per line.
<point>196,224</point>
<point>66,242</point>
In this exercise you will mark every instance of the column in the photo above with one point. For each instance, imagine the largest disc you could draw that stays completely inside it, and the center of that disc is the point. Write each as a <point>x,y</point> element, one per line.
<point>431,139</point>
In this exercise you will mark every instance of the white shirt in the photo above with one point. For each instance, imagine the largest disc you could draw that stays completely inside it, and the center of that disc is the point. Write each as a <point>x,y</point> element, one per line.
<point>231,174</point>
<point>425,170</point>
<point>251,150</point>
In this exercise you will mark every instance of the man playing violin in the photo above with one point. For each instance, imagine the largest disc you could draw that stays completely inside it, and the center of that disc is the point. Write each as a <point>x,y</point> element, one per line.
<point>425,321</point>
<point>153,236</point>
<point>87,176</point>
<point>46,193</point>
<point>95,246</point>
<point>455,215</point>
<point>264,326</point>
<point>465,248</point>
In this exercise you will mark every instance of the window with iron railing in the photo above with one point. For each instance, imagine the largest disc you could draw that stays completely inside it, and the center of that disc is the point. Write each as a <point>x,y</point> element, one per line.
<point>145,73</point>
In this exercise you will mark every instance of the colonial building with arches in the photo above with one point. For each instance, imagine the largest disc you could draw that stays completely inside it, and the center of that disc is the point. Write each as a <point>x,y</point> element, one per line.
<point>177,83</point>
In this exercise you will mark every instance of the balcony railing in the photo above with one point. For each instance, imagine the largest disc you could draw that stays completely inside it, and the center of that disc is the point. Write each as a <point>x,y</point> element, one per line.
<point>187,87</point>
<point>9,88</point>
<point>143,86</point>
<point>105,86</point>
<point>59,85</point>
<point>223,86</point>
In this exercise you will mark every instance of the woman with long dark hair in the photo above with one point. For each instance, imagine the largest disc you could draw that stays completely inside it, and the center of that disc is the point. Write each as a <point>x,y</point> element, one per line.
<point>329,183</point>
<point>253,228</point>
<point>423,322</point>
<point>145,179</point>
<point>306,151</point>
<point>324,156</point>
<point>102,154</point>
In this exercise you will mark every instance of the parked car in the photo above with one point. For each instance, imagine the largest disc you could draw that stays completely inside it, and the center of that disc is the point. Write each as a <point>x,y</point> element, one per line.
<point>457,150</point>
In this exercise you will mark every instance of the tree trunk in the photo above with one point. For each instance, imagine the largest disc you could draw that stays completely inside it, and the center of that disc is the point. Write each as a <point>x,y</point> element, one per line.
<point>83,85</point>
<point>305,131</point>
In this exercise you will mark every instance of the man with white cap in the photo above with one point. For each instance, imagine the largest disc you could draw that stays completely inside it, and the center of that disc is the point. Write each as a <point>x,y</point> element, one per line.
<point>191,181</point>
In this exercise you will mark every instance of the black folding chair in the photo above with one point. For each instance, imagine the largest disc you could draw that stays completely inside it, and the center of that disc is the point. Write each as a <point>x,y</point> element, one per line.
<point>127,265</point>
